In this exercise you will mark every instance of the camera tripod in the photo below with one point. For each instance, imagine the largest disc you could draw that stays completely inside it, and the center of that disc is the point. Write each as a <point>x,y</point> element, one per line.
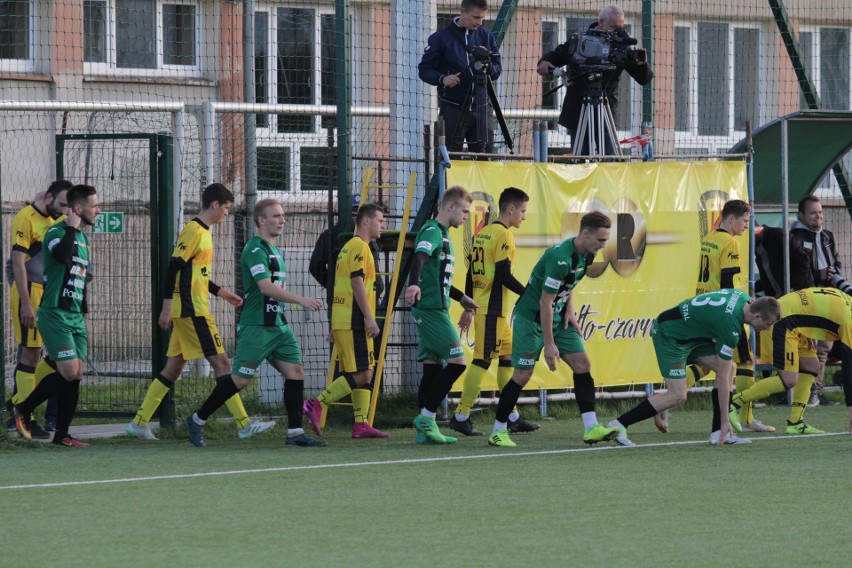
<point>596,127</point>
<point>476,95</point>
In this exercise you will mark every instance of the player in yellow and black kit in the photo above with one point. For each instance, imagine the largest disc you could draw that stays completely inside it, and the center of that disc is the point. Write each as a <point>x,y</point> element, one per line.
<point>489,281</point>
<point>822,314</point>
<point>186,305</point>
<point>353,325</point>
<point>25,271</point>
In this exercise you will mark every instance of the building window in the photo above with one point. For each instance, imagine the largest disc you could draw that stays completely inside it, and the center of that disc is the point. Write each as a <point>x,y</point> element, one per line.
<point>141,35</point>
<point>746,77</point>
<point>683,51</point>
<point>826,56</point>
<point>16,35</point>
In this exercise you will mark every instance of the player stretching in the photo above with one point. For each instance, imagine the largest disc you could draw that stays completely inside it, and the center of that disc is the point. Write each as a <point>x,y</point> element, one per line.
<point>490,279</point>
<point>429,291</point>
<point>60,316</point>
<point>545,320</point>
<point>353,325</point>
<point>263,330</point>
<point>186,305</point>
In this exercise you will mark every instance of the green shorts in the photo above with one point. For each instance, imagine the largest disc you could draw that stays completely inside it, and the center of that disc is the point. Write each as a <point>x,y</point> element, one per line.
<point>527,342</point>
<point>64,334</point>
<point>673,356</point>
<point>439,338</point>
<point>256,343</point>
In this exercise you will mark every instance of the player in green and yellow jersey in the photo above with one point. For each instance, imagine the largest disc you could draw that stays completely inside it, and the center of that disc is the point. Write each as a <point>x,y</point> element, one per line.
<point>489,281</point>
<point>429,292</point>
<point>353,325</point>
<point>545,320</point>
<point>186,306</point>
<point>60,317</point>
<point>821,314</point>
<point>27,276</point>
<point>703,330</point>
<point>263,332</point>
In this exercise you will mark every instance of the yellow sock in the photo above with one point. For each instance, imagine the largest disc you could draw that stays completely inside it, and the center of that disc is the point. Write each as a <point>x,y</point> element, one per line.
<point>744,380</point>
<point>238,411</point>
<point>361,404</point>
<point>504,375</point>
<point>801,394</point>
<point>153,398</point>
<point>42,370</point>
<point>693,375</point>
<point>472,385</point>
<point>338,389</point>
<point>26,382</point>
<point>760,390</point>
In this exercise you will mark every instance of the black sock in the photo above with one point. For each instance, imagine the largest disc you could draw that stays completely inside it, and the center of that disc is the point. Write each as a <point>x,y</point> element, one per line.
<point>441,385</point>
<point>430,371</point>
<point>166,381</point>
<point>584,392</point>
<point>224,389</point>
<point>69,394</point>
<point>508,399</point>
<point>717,411</point>
<point>642,411</point>
<point>48,386</point>
<point>294,396</point>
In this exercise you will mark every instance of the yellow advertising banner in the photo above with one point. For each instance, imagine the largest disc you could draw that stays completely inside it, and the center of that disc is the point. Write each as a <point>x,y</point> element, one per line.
<point>660,211</point>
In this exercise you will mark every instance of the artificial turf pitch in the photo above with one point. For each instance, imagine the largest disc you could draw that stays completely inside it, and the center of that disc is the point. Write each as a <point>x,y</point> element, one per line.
<point>671,501</point>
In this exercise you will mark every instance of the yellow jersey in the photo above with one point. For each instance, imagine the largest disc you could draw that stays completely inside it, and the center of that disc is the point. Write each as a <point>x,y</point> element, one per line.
<point>355,259</point>
<point>194,254</point>
<point>720,256</point>
<point>494,244</point>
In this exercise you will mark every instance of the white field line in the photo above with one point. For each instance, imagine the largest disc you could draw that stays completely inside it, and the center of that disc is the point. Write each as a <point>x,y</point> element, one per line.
<point>387,462</point>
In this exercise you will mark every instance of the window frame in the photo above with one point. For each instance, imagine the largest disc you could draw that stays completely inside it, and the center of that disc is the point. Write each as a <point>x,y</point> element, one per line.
<point>29,64</point>
<point>110,66</point>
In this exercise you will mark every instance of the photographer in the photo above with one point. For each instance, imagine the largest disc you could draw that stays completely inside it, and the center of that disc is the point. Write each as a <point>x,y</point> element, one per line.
<point>450,61</point>
<point>611,20</point>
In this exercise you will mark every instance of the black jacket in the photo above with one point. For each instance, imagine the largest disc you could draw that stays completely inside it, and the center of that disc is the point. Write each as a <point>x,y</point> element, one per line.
<point>573,103</point>
<point>769,256</point>
<point>807,239</point>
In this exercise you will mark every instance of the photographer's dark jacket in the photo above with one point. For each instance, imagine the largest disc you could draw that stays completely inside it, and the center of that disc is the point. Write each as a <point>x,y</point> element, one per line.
<point>573,103</point>
<point>769,256</point>
<point>809,241</point>
<point>446,54</point>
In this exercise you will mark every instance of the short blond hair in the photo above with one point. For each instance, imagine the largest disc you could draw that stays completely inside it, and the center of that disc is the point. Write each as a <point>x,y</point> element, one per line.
<point>455,194</point>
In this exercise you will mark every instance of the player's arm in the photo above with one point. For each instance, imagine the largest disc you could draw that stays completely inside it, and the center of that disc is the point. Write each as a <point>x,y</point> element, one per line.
<point>568,317</point>
<point>466,301</point>
<point>412,293</point>
<point>504,276</point>
<point>19,270</point>
<point>226,295</point>
<point>359,293</point>
<point>545,309</point>
<point>729,264</point>
<point>270,290</point>
<point>727,279</point>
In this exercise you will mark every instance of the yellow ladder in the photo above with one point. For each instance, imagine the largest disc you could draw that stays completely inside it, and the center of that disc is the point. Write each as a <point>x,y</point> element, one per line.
<point>384,320</point>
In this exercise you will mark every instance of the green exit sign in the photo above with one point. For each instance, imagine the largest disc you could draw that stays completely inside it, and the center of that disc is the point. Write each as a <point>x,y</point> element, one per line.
<point>110,222</point>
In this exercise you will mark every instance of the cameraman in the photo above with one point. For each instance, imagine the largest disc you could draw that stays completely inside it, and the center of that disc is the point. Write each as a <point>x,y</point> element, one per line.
<point>610,19</point>
<point>448,62</point>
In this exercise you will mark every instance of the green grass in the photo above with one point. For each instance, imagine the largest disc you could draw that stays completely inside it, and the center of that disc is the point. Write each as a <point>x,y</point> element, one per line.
<point>778,501</point>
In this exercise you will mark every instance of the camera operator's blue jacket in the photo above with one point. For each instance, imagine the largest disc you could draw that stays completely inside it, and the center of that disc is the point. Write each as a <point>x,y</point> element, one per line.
<point>573,103</point>
<point>446,55</point>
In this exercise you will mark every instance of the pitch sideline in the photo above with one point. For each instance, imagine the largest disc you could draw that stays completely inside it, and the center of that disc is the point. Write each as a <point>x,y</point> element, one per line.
<point>385,462</point>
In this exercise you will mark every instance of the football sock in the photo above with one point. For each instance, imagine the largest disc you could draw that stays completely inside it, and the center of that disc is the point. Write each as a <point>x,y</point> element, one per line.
<point>761,389</point>
<point>69,394</point>
<point>801,394</point>
<point>49,385</point>
<point>693,375</point>
<point>339,388</point>
<point>430,371</point>
<point>744,380</point>
<point>361,404</point>
<point>237,409</point>
<point>584,392</point>
<point>508,399</point>
<point>642,411</point>
<point>717,411</point>
<point>589,419</point>
<point>294,396</point>
<point>442,384</point>
<point>514,416</point>
<point>156,391</point>
<point>504,375</point>
<point>224,390</point>
<point>472,385</point>
<point>25,381</point>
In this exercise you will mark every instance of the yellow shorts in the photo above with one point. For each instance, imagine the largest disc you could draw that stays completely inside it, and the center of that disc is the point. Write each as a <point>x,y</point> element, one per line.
<point>27,337</point>
<point>195,337</point>
<point>492,337</point>
<point>354,350</point>
<point>783,349</point>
